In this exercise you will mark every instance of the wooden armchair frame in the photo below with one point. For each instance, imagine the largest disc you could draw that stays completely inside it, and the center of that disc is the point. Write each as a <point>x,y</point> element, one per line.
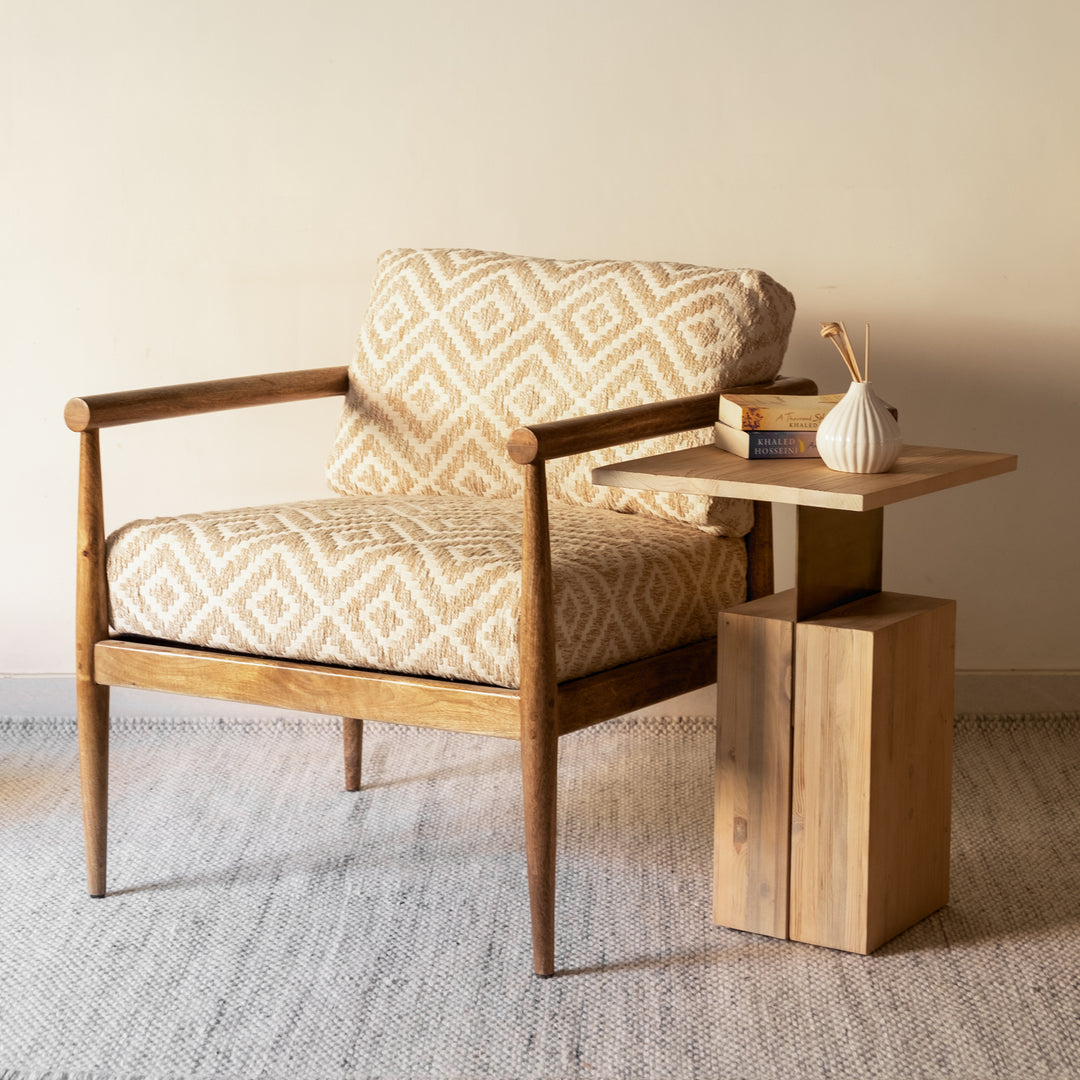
<point>537,714</point>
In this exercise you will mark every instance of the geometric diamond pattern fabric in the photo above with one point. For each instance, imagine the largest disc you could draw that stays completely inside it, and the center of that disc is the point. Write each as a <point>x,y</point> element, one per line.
<point>423,585</point>
<point>460,347</point>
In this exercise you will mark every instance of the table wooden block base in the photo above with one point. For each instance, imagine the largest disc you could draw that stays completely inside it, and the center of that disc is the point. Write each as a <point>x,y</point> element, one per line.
<point>834,706</point>
<point>833,772</point>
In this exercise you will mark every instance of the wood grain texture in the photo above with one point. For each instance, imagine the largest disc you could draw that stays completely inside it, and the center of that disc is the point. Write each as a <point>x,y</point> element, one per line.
<point>838,557</point>
<point>352,730</point>
<point>188,399</point>
<point>595,698</point>
<point>753,765</point>
<point>91,589</point>
<point>286,684</point>
<point>91,626</point>
<point>760,562</point>
<point>872,770</point>
<point>708,470</point>
<point>581,434</point>
<point>539,716</point>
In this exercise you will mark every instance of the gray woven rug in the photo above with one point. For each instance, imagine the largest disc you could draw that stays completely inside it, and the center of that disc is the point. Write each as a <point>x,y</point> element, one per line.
<point>263,923</point>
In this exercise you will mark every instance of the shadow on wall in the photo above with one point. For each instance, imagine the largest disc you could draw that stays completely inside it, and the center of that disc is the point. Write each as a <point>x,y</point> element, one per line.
<point>1003,548</point>
<point>986,384</point>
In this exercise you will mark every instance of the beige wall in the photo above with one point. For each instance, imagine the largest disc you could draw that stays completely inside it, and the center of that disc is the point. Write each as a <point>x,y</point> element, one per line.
<point>199,188</point>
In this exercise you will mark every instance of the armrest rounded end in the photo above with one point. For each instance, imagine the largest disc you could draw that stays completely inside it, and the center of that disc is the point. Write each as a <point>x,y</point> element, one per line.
<point>523,446</point>
<point>77,414</point>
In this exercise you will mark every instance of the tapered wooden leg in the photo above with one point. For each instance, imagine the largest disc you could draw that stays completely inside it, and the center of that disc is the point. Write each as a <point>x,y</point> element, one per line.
<point>93,706</point>
<point>539,770</point>
<point>539,716</point>
<point>92,626</point>
<point>353,731</point>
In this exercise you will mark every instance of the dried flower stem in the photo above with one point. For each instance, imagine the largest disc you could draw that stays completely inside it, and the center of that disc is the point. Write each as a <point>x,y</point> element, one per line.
<point>849,360</point>
<point>836,333</point>
<point>850,352</point>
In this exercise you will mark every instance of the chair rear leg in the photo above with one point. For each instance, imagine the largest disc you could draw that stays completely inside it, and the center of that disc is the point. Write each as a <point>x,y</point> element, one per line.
<point>539,770</point>
<point>93,712</point>
<point>353,731</point>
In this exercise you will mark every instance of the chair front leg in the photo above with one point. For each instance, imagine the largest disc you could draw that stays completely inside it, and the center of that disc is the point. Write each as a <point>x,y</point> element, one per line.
<point>92,626</point>
<point>93,712</point>
<point>539,775</point>
<point>539,717</point>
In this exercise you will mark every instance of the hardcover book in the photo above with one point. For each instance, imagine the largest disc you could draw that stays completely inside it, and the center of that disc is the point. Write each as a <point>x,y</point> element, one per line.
<point>766,444</point>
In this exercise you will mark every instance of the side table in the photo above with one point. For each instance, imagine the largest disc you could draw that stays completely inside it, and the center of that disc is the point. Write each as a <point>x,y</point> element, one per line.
<point>834,708</point>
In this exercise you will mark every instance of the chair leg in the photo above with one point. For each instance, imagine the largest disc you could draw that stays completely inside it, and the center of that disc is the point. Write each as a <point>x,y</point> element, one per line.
<point>93,713</point>
<point>353,731</point>
<point>539,769</point>
<point>539,714</point>
<point>92,626</point>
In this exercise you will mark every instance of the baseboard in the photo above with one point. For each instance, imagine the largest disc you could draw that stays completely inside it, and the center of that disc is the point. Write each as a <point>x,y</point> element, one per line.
<point>1017,693</point>
<point>54,696</point>
<point>978,693</point>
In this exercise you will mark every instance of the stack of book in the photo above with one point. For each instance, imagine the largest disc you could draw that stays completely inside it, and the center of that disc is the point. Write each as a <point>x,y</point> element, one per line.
<point>772,425</point>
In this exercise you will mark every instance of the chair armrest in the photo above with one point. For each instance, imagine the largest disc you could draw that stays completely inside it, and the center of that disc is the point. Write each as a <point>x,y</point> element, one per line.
<point>559,438</point>
<point>187,399</point>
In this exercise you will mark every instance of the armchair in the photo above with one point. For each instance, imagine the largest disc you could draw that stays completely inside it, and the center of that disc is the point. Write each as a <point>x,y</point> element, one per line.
<point>466,575</point>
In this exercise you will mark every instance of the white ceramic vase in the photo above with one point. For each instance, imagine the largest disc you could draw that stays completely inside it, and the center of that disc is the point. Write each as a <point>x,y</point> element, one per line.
<point>859,434</point>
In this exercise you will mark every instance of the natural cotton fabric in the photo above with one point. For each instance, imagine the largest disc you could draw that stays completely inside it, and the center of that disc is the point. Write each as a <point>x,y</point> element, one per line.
<point>423,585</point>
<point>460,347</point>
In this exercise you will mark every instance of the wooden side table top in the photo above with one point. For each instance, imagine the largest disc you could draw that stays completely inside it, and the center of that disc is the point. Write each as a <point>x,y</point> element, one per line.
<point>708,470</point>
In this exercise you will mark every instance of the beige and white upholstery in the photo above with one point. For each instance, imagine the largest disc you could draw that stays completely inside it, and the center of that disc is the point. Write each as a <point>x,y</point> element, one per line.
<point>416,568</point>
<point>444,568</point>
<point>459,348</point>
<point>423,585</point>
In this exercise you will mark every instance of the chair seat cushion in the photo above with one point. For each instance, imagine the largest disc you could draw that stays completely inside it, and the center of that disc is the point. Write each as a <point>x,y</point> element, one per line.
<point>416,584</point>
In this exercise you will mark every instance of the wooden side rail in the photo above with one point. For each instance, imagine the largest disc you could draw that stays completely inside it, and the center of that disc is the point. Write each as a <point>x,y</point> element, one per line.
<point>594,698</point>
<point>319,688</point>
<point>187,399</point>
<point>560,438</point>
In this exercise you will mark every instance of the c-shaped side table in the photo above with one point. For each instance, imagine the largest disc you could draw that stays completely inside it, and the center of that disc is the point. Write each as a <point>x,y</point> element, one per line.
<point>834,708</point>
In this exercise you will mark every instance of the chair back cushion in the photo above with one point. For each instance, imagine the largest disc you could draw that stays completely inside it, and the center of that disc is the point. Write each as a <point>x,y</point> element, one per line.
<point>459,347</point>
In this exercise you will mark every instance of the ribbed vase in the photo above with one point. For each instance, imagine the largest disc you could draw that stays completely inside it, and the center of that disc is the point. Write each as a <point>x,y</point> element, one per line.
<point>859,434</point>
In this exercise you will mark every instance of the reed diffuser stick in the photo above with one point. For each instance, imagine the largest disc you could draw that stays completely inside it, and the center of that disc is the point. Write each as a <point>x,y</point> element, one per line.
<point>866,355</point>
